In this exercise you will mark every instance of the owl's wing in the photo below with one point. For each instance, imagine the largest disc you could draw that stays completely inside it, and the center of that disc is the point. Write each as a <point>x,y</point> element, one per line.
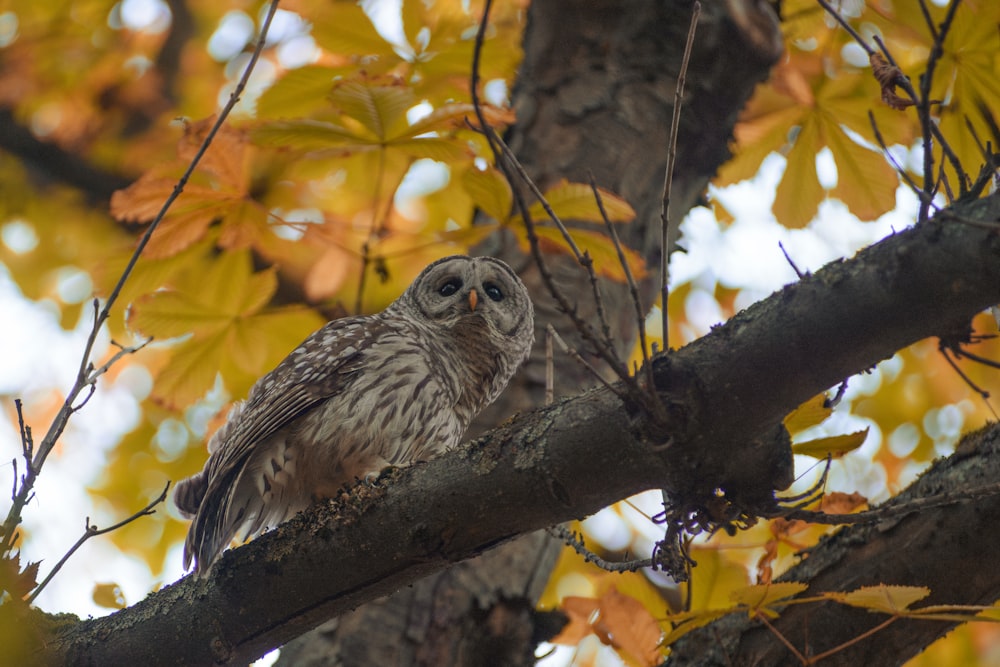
<point>316,370</point>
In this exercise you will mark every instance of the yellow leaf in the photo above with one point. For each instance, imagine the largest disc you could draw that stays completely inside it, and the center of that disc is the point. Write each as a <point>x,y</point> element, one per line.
<point>109,596</point>
<point>456,116</point>
<point>716,574</point>
<point>299,92</point>
<point>808,414</point>
<point>598,246</point>
<point>575,201</point>
<point>381,109</point>
<point>799,193</point>
<point>344,28</point>
<point>694,621</point>
<point>760,596</point>
<point>489,190</point>
<point>866,183</point>
<point>835,446</point>
<point>306,134</point>
<point>170,314</point>
<point>889,599</point>
<point>191,371</point>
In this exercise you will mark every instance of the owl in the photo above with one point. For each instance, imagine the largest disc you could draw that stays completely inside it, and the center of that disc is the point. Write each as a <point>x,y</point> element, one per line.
<point>357,396</point>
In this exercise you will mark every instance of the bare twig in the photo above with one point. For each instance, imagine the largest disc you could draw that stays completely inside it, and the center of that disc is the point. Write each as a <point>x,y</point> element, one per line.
<point>576,541</point>
<point>549,372</point>
<point>667,227</point>
<point>93,531</point>
<point>87,374</point>
<point>830,10</point>
<point>965,378</point>
<point>571,351</point>
<point>887,513</point>
<point>925,10</point>
<point>788,259</point>
<point>640,318</point>
<point>916,189</point>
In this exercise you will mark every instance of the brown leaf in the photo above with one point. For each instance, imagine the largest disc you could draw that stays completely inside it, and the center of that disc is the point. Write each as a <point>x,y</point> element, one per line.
<point>16,581</point>
<point>888,77</point>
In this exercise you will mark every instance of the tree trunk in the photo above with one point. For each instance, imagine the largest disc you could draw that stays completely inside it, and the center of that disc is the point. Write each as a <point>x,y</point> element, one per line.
<point>595,94</point>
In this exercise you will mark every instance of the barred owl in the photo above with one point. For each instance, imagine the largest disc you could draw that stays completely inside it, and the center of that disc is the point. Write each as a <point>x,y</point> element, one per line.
<point>359,395</point>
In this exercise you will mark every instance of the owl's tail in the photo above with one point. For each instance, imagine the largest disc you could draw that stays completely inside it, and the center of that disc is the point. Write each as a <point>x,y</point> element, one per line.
<point>189,493</point>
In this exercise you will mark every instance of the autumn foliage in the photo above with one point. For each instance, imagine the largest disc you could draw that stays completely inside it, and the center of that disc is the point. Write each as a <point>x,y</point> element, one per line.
<point>345,170</point>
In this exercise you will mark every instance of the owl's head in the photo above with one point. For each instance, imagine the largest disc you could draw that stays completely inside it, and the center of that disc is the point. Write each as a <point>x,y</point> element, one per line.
<point>475,292</point>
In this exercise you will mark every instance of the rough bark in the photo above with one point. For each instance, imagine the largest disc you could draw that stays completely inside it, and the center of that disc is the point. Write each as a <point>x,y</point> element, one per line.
<point>946,549</point>
<point>726,392</point>
<point>595,94</point>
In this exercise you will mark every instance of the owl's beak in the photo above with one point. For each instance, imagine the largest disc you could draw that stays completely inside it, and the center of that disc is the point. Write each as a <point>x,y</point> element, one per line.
<point>473,300</point>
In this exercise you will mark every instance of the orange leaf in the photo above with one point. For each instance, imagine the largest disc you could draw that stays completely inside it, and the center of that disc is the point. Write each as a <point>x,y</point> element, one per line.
<point>579,610</point>
<point>837,502</point>
<point>625,624</point>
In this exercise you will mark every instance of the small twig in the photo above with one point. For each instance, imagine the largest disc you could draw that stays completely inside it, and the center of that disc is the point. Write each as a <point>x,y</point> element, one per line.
<point>640,319</point>
<point>924,103</point>
<point>881,514</point>
<point>846,26</point>
<point>93,531</point>
<point>549,371</point>
<point>583,362</point>
<point>807,497</point>
<point>960,352</point>
<point>835,401</point>
<point>965,378</point>
<point>781,638</point>
<point>853,640</point>
<point>667,227</point>
<point>27,444</point>
<point>576,541</point>
<point>905,175</point>
<point>788,259</point>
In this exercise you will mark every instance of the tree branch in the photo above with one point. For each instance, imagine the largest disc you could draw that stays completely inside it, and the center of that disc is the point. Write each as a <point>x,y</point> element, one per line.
<point>727,392</point>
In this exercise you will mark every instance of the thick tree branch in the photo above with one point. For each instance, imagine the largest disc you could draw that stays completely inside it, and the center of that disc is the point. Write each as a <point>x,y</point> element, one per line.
<point>943,549</point>
<point>727,391</point>
<point>53,163</point>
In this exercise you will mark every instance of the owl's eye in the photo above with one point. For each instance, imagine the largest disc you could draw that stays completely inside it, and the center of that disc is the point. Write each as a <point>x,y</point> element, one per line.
<point>492,291</point>
<point>450,287</point>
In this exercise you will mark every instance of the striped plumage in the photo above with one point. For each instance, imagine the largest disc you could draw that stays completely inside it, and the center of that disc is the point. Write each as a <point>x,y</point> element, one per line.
<point>361,394</point>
